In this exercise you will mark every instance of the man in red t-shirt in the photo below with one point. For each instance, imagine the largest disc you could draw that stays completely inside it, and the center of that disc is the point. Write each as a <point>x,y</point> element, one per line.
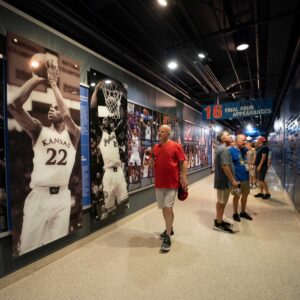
<point>170,168</point>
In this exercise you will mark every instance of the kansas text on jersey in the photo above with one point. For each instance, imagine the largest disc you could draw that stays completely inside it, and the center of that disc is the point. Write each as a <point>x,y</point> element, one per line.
<point>54,157</point>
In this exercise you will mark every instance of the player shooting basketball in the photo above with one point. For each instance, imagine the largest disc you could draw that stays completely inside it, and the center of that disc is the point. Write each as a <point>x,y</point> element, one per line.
<point>46,213</point>
<point>114,183</point>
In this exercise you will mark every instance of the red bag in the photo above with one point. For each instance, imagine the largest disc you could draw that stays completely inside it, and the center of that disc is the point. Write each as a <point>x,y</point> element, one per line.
<point>182,193</point>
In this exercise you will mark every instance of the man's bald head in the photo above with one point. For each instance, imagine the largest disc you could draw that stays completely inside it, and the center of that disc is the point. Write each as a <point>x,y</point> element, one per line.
<point>164,132</point>
<point>165,128</point>
<point>240,140</point>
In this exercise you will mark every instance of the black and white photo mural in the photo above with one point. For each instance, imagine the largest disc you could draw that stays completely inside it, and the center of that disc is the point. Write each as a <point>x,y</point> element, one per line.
<point>44,144</point>
<point>109,155</point>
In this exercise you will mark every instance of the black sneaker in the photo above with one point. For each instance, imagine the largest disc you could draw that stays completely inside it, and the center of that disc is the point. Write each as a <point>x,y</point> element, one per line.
<point>236,217</point>
<point>222,227</point>
<point>163,235</point>
<point>259,195</point>
<point>246,216</point>
<point>226,224</point>
<point>266,196</point>
<point>166,244</point>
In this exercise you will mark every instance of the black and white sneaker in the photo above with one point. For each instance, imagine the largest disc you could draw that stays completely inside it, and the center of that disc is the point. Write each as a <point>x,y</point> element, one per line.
<point>222,227</point>
<point>163,235</point>
<point>166,244</point>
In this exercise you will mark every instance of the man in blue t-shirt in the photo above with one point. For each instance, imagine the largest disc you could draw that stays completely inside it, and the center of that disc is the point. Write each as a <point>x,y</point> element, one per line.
<point>239,159</point>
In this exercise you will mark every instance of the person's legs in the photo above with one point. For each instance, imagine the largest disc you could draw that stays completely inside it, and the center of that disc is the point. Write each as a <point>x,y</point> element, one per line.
<point>244,203</point>
<point>220,207</point>
<point>222,199</point>
<point>219,224</point>
<point>235,204</point>
<point>168,215</point>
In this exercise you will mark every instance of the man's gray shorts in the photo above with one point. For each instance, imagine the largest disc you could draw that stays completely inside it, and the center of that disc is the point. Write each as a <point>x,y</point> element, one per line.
<point>165,197</point>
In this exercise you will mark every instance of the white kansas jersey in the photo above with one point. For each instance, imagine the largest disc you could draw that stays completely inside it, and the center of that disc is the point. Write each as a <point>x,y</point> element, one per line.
<point>135,143</point>
<point>54,157</point>
<point>110,150</point>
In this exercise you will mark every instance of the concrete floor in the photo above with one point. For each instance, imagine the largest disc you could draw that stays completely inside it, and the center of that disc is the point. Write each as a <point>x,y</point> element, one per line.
<point>123,261</point>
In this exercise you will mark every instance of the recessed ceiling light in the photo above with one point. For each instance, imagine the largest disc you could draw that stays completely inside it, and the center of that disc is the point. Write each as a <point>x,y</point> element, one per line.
<point>201,55</point>
<point>107,81</point>
<point>242,47</point>
<point>93,84</point>
<point>162,2</point>
<point>172,65</point>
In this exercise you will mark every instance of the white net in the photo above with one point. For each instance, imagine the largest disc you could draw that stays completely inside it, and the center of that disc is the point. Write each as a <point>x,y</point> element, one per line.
<point>112,96</point>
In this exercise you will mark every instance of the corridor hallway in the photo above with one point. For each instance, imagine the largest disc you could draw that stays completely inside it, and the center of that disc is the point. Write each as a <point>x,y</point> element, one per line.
<point>123,261</point>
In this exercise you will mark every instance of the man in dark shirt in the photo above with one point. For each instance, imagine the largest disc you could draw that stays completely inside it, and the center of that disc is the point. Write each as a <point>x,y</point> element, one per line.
<point>261,163</point>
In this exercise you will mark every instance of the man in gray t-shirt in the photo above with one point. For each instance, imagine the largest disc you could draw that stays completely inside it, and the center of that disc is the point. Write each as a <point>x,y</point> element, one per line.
<point>222,158</point>
<point>224,180</point>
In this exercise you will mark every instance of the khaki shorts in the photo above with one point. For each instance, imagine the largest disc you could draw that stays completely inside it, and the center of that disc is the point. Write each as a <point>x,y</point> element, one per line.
<point>245,188</point>
<point>252,170</point>
<point>165,197</point>
<point>223,195</point>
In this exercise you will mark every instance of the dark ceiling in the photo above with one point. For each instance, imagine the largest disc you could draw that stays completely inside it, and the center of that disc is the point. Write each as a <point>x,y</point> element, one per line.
<point>141,36</point>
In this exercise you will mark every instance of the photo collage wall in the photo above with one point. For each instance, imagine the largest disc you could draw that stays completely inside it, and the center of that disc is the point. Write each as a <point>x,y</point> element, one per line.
<point>197,145</point>
<point>44,144</point>
<point>143,124</point>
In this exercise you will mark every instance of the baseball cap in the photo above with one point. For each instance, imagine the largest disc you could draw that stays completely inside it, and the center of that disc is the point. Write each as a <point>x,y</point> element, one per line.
<point>182,193</point>
<point>262,139</point>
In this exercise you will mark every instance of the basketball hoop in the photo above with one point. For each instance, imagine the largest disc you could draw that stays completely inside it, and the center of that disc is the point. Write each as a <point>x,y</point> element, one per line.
<point>112,96</point>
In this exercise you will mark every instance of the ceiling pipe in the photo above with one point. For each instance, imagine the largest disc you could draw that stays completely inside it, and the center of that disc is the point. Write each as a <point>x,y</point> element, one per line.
<point>194,77</point>
<point>215,79</point>
<point>252,88</point>
<point>253,79</point>
<point>227,50</point>
<point>204,73</point>
<point>257,47</point>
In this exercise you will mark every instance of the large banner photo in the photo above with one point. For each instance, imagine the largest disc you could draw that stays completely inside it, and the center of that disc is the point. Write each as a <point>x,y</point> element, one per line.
<point>44,144</point>
<point>109,145</point>
<point>3,195</point>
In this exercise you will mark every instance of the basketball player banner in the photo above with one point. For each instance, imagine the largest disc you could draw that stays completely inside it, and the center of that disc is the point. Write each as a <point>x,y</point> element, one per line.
<point>108,145</point>
<point>134,133</point>
<point>4,226</point>
<point>44,144</point>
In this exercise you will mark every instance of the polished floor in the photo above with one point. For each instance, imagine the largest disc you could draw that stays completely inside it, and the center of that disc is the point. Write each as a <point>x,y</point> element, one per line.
<point>123,261</point>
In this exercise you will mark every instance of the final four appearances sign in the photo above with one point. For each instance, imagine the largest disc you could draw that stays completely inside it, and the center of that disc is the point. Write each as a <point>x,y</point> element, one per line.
<point>241,109</point>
